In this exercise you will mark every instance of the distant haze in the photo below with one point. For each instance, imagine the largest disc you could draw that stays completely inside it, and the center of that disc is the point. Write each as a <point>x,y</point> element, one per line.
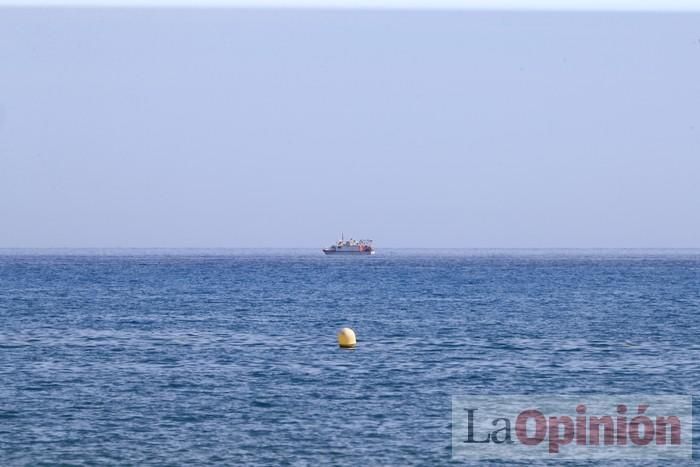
<point>256,128</point>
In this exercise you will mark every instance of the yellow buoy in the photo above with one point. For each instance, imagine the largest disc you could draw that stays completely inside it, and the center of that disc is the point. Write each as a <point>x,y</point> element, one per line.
<point>346,338</point>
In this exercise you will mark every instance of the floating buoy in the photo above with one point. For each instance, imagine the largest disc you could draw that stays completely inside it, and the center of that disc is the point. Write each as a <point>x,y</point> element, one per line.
<point>346,338</point>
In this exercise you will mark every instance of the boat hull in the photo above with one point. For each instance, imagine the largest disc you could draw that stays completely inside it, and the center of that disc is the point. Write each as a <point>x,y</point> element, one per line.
<point>347,252</point>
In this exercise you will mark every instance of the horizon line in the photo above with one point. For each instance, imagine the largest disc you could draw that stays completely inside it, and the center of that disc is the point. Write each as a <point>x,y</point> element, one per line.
<point>382,248</point>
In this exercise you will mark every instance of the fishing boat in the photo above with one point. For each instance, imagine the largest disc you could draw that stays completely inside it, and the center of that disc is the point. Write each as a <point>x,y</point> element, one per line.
<point>350,247</point>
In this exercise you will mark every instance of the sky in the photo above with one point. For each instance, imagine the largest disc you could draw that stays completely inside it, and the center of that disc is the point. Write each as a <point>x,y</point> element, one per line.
<point>578,5</point>
<point>283,127</point>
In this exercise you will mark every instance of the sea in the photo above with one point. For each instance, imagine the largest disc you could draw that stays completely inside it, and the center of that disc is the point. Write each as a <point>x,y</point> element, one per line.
<point>229,357</point>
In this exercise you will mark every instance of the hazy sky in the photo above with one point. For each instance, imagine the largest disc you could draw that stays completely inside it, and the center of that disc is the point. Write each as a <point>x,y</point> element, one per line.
<point>246,128</point>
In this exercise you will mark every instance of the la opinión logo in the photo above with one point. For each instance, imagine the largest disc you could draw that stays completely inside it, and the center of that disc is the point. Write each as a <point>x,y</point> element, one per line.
<point>515,426</point>
<point>561,430</point>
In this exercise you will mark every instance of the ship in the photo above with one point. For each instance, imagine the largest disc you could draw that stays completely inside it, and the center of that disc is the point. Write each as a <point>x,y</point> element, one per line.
<point>350,247</point>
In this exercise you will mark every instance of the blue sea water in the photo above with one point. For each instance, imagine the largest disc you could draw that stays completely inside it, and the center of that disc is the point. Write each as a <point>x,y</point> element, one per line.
<point>229,356</point>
